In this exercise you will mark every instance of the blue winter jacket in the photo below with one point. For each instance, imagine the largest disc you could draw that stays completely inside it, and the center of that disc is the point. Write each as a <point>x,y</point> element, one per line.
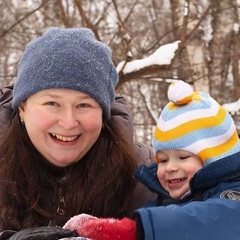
<point>211,212</point>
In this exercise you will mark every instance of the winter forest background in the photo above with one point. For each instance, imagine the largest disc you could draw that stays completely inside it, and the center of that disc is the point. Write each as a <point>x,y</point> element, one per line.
<point>207,54</point>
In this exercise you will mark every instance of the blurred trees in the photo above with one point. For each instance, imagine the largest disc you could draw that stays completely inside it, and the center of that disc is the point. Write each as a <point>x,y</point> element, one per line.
<point>208,56</point>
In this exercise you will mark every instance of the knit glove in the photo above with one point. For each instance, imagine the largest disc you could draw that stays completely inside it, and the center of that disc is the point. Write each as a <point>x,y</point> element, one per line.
<point>102,228</point>
<point>77,221</point>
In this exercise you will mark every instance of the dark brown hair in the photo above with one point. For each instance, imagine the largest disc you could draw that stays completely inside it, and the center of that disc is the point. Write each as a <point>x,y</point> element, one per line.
<point>35,193</point>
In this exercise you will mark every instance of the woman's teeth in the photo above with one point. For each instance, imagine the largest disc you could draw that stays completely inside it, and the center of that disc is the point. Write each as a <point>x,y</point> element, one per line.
<point>64,139</point>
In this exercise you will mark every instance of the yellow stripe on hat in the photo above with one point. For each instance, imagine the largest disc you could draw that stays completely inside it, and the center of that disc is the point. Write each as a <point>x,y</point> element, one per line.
<point>208,153</point>
<point>190,126</point>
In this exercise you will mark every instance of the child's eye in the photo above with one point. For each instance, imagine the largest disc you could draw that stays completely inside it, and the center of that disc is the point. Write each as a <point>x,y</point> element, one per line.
<point>162,161</point>
<point>184,157</point>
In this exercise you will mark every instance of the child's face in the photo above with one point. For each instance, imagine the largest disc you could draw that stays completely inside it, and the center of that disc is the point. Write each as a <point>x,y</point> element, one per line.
<point>175,169</point>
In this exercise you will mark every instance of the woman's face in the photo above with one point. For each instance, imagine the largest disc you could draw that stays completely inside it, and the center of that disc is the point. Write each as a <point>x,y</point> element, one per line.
<point>62,124</point>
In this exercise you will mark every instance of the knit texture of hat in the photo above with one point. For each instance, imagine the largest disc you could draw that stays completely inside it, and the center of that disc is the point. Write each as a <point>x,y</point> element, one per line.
<point>195,122</point>
<point>67,59</point>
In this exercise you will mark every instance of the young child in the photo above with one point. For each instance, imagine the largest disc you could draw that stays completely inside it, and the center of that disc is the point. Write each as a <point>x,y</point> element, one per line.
<point>196,177</point>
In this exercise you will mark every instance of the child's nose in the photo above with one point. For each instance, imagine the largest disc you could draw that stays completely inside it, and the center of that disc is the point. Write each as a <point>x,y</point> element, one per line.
<point>171,166</point>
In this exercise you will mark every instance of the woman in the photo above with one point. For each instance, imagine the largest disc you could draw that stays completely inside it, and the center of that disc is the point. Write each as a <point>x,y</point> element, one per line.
<point>69,148</point>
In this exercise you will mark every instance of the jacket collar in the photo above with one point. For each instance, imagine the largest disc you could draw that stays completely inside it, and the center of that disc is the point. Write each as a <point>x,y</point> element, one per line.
<point>225,169</point>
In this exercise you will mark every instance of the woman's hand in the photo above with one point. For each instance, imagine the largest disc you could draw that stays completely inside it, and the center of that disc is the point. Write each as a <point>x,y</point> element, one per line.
<point>43,233</point>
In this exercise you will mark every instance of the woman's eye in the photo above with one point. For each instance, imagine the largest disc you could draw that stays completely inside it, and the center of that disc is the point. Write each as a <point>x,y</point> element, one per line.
<point>51,103</point>
<point>84,105</point>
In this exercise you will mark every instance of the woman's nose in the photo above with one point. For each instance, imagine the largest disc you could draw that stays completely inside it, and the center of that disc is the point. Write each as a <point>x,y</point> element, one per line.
<point>68,120</point>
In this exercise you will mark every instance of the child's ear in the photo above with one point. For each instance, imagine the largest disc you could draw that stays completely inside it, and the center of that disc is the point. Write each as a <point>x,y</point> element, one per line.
<point>156,159</point>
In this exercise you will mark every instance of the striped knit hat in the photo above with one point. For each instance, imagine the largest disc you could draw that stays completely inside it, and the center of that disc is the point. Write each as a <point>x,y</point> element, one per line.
<point>195,122</point>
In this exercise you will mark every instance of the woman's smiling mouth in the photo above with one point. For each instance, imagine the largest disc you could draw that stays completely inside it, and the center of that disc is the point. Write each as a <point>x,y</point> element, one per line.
<point>64,138</point>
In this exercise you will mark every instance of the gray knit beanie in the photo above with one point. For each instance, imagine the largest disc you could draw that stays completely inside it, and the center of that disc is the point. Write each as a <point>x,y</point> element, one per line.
<point>67,58</point>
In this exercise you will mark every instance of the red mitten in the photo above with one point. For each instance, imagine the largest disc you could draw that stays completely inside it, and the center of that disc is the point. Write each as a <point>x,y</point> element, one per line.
<point>77,221</point>
<point>109,229</point>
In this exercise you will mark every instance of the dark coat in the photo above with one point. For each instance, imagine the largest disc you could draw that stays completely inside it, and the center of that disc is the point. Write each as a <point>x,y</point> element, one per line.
<point>5,108</point>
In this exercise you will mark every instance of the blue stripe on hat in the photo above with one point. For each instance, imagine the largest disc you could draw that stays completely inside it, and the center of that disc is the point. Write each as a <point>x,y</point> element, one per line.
<point>168,114</point>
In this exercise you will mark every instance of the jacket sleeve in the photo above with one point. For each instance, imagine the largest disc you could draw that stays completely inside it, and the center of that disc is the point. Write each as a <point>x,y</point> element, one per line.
<point>5,235</point>
<point>212,219</point>
<point>6,110</point>
<point>40,233</point>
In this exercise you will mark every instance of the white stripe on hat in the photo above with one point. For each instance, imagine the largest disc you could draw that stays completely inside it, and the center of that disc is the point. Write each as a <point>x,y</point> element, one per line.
<point>204,143</point>
<point>190,115</point>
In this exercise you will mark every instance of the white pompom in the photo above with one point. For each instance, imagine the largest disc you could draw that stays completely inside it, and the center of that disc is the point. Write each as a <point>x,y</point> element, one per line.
<point>180,92</point>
